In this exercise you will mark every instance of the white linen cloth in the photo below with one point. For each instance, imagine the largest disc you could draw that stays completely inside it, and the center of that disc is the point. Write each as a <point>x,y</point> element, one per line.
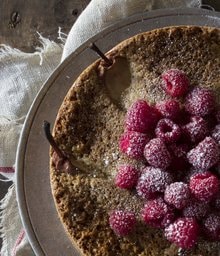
<point>21,77</point>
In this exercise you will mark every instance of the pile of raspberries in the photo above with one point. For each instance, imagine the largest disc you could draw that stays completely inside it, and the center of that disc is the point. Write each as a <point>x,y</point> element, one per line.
<point>179,144</point>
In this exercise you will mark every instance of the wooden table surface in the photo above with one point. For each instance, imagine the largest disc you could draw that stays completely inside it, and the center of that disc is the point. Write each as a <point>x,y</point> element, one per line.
<point>21,20</point>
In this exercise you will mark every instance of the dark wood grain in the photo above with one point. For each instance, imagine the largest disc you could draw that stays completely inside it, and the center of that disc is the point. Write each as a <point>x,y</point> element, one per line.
<point>21,20</point>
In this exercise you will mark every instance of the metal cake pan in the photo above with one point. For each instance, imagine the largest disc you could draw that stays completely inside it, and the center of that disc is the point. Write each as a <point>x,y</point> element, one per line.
<point>39,217</point>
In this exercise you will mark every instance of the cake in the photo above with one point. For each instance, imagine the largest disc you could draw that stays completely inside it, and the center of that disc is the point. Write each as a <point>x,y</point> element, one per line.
<point>90,123</point>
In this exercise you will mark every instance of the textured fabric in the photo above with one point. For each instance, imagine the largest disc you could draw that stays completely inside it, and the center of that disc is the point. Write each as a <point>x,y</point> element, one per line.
<point>21,77</point>
<point>100,14</point>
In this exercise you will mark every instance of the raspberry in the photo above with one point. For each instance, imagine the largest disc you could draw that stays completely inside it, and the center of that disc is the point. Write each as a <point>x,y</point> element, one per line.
<point>177,194</point>
<point>133,143</point>
<point>169,108</point>
<point>141,117</point>
<point>216,134</point>
<point>167,130</point>
<point>175,82</point>
<point>152,181</point>
<point>157,213</point>
<point>212,227</point>
<point>126,177</point>
<point>196,130</point>
<point>183,232</point>
<point>200,102</point>
<point>156,153</point>
<point>196,209</point>
<point>204,155</point>
<point>204,186</point>
<point>122,222</point>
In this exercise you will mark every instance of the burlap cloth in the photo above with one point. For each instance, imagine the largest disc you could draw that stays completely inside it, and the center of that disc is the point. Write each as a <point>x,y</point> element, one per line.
<point>21,77</point>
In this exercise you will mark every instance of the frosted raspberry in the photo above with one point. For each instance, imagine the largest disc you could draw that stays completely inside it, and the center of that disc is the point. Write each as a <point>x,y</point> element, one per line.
<point>169,109</point>
<point>196,129</point>
<point>177,194</point>
<point>179,160</point>
<point>175,82</point>
<point>122,222</point>
<point>204,155</point>
<point>152,181</point>
<point>216,134</point>
<point>183,232</point>
<point>157,213</point>
<point>212,227</point>
<point>196,209</point>
<point>133,143</point>
<point>156,153</point>
<point>200,102</point>
<point>141,117</point>
<point>167,130</point>
<point>204,186</point>
<point>126,177</point>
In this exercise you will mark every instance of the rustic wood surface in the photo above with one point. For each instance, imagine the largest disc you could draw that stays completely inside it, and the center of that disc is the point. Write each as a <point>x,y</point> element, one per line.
<point>21,20</point>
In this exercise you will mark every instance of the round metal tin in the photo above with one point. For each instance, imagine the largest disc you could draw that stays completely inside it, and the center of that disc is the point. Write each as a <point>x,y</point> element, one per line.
<point>40,219</point>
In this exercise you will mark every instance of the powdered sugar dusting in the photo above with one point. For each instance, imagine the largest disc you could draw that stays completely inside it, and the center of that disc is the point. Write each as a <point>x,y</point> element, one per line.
<point>205,154</point>
<point>157,154</point>
<point>196,129</point>
<point>126,177</point>
<point>157,213</point>
<point>133,143</point>
<point>167,130</point>
<point>200,101</point>
<point>177,194</point>
<point>140,117</point>
<point>122,222</point>
<point>204,186</point>
<point>169,108</point>
<point>152,180</point>
<point>175,82</point>
<point>183,232</point>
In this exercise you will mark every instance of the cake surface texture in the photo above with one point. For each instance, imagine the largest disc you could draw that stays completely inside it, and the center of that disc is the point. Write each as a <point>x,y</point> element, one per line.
<point>90,122</point>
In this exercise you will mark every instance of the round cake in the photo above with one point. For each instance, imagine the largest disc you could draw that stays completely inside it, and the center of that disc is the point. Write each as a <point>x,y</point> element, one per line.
<point>95,124</point>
